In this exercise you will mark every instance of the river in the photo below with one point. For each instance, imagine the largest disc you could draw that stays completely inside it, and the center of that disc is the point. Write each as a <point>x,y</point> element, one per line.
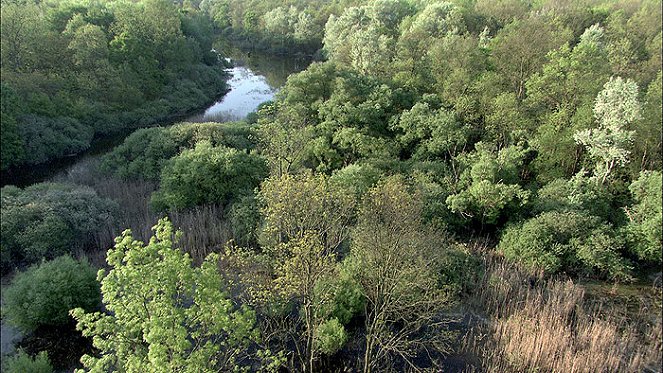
<point>254,79</point>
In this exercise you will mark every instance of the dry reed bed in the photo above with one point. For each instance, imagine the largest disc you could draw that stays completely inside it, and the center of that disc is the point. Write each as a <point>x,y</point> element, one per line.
<point>204,228</point>
<point>549,325</point>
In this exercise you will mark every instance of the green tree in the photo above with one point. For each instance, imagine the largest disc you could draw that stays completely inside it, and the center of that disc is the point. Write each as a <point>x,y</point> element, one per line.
<point>305,261</point>
<point>432,133</point>
<point>562,97</point>
<point>163,313</point>
<point>490,184</point>
<point>22,362</point>
<point>44,294</point>
<point>284,138</point>
<point>616,107</point>
<point>296,204</point>
<point>208,174</point>
<point>647,137</point>
<point>397,261</point>
<point>644,227</point>
<point>520,49</point>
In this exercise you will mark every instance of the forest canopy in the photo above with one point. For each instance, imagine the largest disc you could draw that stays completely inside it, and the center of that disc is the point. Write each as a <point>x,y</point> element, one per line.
<point>447,179</point>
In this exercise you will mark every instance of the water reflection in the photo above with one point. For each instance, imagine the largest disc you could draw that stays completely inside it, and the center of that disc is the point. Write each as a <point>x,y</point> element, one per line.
<point>247,91</point>
<point>255,79</point>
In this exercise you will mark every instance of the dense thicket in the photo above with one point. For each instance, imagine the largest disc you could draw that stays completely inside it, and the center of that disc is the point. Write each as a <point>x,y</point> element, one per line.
<point>74,69</point>
<point>143,154</point>
<point>47,220</point>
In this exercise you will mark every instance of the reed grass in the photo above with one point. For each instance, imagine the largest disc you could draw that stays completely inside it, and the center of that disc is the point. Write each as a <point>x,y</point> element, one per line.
<point>537,324</point>
<point>204,228</point>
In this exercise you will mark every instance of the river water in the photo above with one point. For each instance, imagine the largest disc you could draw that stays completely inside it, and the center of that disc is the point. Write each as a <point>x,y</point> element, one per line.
<point>254,79</point>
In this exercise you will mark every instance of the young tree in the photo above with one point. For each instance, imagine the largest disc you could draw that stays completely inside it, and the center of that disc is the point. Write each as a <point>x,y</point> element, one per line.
<point>297,204</point>
<point>164,314</point>
<point>396,260</point>
<point>644,226</point>
<point>615,108</point>
<point>304,261</point>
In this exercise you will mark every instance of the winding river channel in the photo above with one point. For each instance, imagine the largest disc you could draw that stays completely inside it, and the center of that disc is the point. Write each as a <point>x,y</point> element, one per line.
<point>254,79</point>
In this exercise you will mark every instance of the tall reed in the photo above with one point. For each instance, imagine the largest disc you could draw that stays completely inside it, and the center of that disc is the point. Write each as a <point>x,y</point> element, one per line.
<point>549,325</point>
<point>204,228</point>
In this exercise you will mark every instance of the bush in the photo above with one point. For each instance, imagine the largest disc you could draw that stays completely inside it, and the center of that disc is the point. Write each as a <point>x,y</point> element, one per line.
<point>330,336</point>
<point>47,220</point>
<point>44,293</point>
<point>23,363</point>
<point>244,218</point>
<point>208,174</point>
<point>566,241</point>
<point>145,152</point>
<point>644,227</point>
<point>340,296</point>
<point>48,138</point>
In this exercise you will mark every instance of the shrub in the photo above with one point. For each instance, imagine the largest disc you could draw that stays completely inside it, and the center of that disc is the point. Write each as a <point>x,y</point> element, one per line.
<point>48,138</point>
<point>330,336</point>
<point>339,296</point>
<point>22,363</point>
<point>244,218</point>
<point>47,220</point>
<point>144,153</point>
<point>208,174</point>
<point>44,293</point>
<point>569,241</point>
<point>644,227</point>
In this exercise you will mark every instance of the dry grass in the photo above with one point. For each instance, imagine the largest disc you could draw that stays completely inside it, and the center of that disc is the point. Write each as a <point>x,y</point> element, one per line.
<point>549,325</point>
<point>204,228</point>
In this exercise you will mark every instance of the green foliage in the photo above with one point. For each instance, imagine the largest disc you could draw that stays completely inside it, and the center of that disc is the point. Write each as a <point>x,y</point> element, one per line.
<point>431,133</point>
<point>47,220</point>
<point>616,107</point>
<point>647,139</point>
<point>460,270</point>
<point>91,68</point>
<point>330,336</point>
<point>490,184</point>
<point>579,193</point>
<point>244,216</point>
<point>163,313</point>
<point>566,241</point>
<point>44,294</point>
<point>22,362</point>
<point>48,138</point>
<point>145,152</point>
<point>358,178</point>
<point>644,227</point>
<point>295,204</point>
<point>339,296</point>
<point>208,174</point>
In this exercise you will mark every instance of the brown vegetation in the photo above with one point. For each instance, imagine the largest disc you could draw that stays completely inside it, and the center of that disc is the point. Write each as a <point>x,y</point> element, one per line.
<point>204,228</point>
<point>551,325</point>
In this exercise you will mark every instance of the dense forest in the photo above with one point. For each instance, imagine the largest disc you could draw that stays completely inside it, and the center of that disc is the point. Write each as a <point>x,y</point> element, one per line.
<point>461,185</point>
